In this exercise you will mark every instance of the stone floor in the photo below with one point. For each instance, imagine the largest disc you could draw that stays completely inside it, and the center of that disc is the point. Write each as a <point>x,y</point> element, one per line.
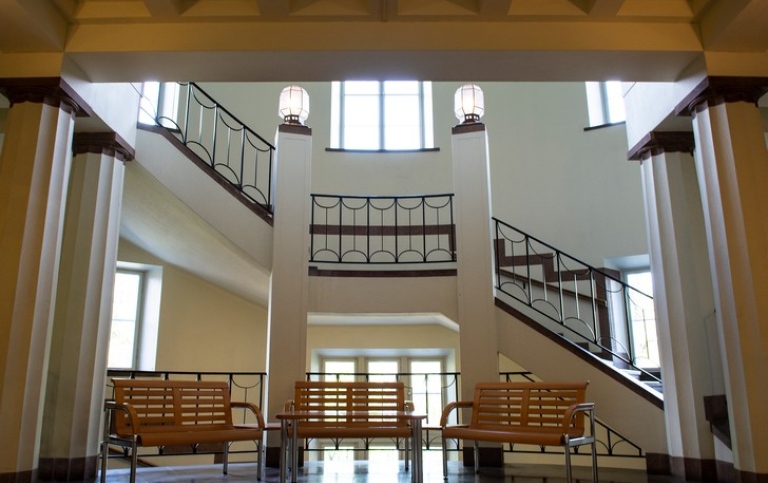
<point>372,472</point>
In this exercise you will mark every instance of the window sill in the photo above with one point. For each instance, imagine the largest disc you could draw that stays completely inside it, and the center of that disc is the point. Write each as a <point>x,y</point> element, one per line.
<point>601,126</point>
<point>342,150</point>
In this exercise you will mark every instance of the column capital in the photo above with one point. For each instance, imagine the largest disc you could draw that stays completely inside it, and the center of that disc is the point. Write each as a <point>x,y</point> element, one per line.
<point>295,129</point>
<point>659,142</point>
<point>109,143</point>
<point>466,128</point>
<point>715,90</point>
<point>52,91</point>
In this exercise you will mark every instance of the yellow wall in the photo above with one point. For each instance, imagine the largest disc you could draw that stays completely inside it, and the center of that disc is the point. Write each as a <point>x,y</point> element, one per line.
<point>202,327</point>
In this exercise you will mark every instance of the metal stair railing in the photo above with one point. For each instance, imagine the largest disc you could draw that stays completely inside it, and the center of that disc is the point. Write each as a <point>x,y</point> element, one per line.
<point>591,307</point>
<point>235,152</point>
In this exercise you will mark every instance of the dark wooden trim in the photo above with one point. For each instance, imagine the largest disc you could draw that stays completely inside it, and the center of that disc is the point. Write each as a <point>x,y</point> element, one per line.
<point>108,143</point>
<point>715,90</point>
<point>660,142</point>
<point>295,129</point>
<point>469,127</point>
<point>68,469</point>
<point>447,272</point>
<point>573,348</point>
<point>378,151</point>
<point>19,477</point>
<point>259,210</point>
<point>52,91</point>
<point>379,230</point>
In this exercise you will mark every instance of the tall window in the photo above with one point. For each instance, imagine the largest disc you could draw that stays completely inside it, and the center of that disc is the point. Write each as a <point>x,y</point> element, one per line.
<point>126,321</point>
<point>381,115</point>
<point>643,320</point>
<point>605,101</point>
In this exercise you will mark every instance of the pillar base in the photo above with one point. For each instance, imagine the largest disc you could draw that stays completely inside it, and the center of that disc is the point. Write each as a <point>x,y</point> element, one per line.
<point>64,469</point>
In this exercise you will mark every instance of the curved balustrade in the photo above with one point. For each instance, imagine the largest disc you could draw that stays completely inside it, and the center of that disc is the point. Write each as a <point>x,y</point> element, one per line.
<point>593,306</point>
<point>233,150</point>
<point>382,229</point>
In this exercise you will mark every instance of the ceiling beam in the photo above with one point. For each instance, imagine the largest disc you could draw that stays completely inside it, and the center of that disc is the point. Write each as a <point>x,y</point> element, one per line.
<point>168,8</point>
<point>493,8</point>
<point>600,8</point>
<point>735,26</point>
<point>31,26</point>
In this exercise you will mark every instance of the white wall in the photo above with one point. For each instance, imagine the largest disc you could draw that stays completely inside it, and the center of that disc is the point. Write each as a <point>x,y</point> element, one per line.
<point>573,189</point>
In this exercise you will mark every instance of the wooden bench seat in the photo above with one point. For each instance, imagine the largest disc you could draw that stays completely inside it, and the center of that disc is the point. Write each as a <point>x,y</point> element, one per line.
<point>151,412</point>
<point>535,413</point>
<point>337,410</point>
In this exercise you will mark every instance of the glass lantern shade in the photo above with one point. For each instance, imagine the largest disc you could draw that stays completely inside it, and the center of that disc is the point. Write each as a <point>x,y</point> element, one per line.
<point>294,105</point>
<point>469,104</point>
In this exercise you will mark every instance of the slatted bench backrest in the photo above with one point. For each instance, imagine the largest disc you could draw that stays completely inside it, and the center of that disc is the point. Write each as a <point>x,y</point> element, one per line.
<point>163,406</point>
<point>351,404</point>
<point>527,406</point>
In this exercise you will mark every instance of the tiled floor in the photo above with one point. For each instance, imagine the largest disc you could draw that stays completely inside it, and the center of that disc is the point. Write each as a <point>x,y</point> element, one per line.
<point>370,472</point>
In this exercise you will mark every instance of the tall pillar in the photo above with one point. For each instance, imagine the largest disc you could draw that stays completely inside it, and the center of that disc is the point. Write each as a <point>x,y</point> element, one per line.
<point>34,167</point>
<point>474,267</point>
<point>74,394</point>
<point>289,282</point>
<point>683,299</point>
<point>732,166</point>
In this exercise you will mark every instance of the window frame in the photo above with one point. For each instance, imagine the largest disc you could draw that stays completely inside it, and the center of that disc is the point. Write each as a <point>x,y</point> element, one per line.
<point>426,122</point>
<point>601,105</point>
<point>138,317</point>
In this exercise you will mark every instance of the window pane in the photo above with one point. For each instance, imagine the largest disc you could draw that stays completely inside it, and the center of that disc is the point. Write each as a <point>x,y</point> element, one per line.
<point>339,371</point>
<point>401,87</point>
<point>125,309</point>
<point>427,388</point>
<point>643,316</point>
<point>615,100</point>
<point>383,371</point>
<point>361,87</point>
<point>360,137</point>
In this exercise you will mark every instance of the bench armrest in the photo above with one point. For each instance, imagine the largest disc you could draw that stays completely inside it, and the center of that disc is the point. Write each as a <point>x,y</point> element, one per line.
<point>253,408</point>
<point>450,407</point>
<point>574,410</point>
<point>111,406</point>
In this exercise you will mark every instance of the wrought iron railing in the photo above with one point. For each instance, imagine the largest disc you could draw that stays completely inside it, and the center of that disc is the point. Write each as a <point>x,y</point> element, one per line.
<point>590,306</point>
<point>230,148</point>
<point>382,229</point>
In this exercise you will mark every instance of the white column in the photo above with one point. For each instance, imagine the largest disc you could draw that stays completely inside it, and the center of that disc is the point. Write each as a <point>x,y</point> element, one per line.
<point>78,359</point>
<point>684,304</point>
<point>287,329</point>
<point>474,247</point>
<point>732,166</point>
<point>34,167</point>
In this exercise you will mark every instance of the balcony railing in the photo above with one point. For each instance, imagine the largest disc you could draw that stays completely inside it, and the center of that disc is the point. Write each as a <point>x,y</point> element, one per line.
<point>382,229</point>
<point>590,306</point>
<point>230,148</point>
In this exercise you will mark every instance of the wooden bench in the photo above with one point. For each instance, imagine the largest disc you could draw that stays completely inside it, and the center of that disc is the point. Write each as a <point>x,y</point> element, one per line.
<point>535,413</point>
<point>160,413</point>
<point>337,410</point>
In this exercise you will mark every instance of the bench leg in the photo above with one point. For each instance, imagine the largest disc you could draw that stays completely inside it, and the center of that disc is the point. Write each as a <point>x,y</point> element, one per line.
<point>134,460</point>
<point>594,461</point>
<point>259,449</point>
<point>407,452</point>
<point>567,448</point>
<point>226,457</point>
<point>477,457</point>
<point>445,459</point>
